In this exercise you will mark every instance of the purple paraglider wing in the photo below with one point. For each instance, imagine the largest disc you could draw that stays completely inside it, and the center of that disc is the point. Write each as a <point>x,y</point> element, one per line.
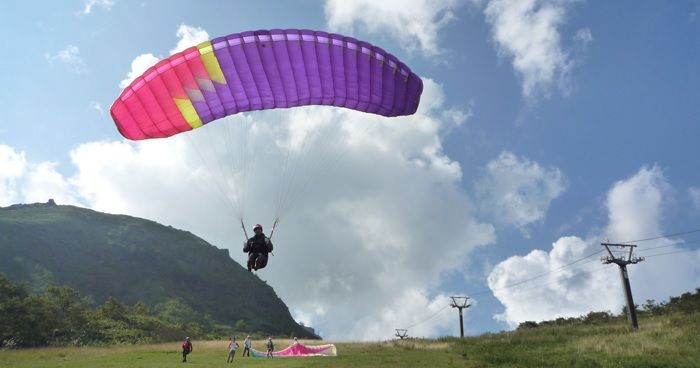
<point>264,70</point>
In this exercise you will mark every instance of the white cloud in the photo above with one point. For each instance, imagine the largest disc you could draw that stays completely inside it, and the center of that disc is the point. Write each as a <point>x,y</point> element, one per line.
<point>409,306</point>
<point>105,5</point>
<point>584,36</point>
<point>43,182</point>
<point>13,164</point>
<point>22,181</point>
<point>528,32</point>
<point>635,205</point>
<point>570,292</point>
<point>187,36</point>
<point>139,65</point>
<point>355,252</point>
<point>694,193</point>
<point>414,23</point>
<point>635,211</point>
<point>517,191</point>
<point>69,56</point>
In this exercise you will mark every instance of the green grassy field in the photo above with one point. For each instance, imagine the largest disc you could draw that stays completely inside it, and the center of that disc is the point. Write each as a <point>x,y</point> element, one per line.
<point>666,341</point>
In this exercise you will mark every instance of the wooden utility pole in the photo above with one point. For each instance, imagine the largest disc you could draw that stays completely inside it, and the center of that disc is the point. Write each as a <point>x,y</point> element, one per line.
<point>622,262</point>
<point>401,333</point>
<point>460,302</point>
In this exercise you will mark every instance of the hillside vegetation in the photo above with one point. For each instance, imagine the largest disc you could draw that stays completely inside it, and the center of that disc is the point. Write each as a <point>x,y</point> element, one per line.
<point>131,260</point>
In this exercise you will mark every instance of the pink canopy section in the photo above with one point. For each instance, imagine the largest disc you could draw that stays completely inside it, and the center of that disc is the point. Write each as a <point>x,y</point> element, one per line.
<point>298,349</point>
<point>260,70</point>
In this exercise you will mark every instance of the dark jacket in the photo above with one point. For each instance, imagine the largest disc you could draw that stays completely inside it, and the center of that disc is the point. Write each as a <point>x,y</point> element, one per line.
<point>259,243</point>
<point>187,346</point>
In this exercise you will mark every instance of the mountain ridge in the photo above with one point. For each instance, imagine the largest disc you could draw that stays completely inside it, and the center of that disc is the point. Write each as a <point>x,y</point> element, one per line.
<point>132,259</point>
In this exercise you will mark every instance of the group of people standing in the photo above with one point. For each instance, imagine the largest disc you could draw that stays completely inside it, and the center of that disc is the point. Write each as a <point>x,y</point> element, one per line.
<point>233,346</point>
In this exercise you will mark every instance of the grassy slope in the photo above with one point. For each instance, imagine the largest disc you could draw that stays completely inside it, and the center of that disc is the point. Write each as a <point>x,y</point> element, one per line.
<point>661,342</point>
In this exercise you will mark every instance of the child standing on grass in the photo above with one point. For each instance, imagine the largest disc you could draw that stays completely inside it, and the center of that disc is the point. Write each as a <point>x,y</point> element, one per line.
<point>232,347</point>
<point>270,347</point>
<point>186,349</point>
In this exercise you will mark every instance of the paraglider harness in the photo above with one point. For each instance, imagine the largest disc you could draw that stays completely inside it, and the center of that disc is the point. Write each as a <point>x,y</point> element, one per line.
<point>258,247</point>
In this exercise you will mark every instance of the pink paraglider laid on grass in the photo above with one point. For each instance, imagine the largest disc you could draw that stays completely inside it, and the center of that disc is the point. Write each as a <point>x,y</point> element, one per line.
<point>297,349</point>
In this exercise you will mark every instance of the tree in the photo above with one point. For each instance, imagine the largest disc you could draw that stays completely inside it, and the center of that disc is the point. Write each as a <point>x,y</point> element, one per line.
<point>112,309</point>
<point>140,309</point>
<point>13,313</point>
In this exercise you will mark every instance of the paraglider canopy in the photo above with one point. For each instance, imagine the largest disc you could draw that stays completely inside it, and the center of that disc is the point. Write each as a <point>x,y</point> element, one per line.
<point>260,70</point>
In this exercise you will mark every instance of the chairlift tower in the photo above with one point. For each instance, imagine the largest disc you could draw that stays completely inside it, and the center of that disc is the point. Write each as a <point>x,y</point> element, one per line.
<point>622,262</point>
<point>460,302</point>
<point>401,333</point>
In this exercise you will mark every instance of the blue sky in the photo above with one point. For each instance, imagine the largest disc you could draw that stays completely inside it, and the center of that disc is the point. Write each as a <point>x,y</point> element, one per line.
<point>545,128</point>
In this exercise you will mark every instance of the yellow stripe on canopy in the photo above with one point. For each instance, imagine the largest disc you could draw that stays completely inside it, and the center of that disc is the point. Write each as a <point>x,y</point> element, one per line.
<point>211,63</point>
<point>188,112</point>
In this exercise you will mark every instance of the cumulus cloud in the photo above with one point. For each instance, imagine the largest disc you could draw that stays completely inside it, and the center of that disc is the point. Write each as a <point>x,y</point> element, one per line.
<point>635,211</point>
<point>70,57</point>
<point>23,181</point>
<point>635,205</point>
<point>43,182</point>
<point>568,292</point>
<point>187,36</point>
<point>13,165</point>
<point>528,33</point>
<point>360,199</point>
<point>517,191</point>
<point>139,65</point>
<point>89,5</point>
<point>414,23</point>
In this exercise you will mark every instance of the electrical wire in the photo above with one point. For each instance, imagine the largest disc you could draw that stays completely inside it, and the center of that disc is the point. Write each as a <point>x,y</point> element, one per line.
<point>575,274</point>
<point>661,236</point>
<point>429,318</point>
<point>674,252</point>
<point>576,261</point>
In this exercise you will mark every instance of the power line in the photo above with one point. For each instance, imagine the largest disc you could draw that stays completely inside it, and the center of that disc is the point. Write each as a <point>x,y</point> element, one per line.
<point>675,252</point>
<point>591,255</point>
<point>561,278</point>
<point>591,270</point>
<point>544,274</point>
<point>576,263</point>
<point>662,236</point>
<point>429,318</point>
<point>564,277</point>
<point>695,241</point>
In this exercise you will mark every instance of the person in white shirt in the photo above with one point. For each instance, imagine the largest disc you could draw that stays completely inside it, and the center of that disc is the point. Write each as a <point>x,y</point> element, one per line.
<point>246,346</point>
<point>232,347</point>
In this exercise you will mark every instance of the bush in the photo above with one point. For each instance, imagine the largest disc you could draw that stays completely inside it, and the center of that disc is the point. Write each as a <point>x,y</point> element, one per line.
<point>59,316</point>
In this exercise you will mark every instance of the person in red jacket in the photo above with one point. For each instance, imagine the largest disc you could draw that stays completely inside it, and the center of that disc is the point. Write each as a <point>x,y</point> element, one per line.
<point>186,348</point>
